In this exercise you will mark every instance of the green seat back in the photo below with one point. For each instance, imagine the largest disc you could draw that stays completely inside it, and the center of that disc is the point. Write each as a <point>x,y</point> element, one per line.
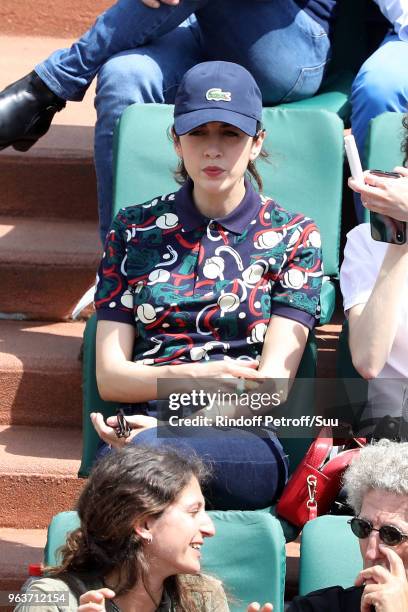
<point>329,554</point>
<point>249,544</point>
<point>383,144</point>
<point>91,400</point>
<point>304,174</point>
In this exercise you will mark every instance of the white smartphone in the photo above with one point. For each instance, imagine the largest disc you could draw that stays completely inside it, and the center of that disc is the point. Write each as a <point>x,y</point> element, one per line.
<point>353,158</point>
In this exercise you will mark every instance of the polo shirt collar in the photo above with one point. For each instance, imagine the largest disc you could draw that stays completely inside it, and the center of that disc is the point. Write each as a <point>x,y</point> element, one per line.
<point>237,221</point>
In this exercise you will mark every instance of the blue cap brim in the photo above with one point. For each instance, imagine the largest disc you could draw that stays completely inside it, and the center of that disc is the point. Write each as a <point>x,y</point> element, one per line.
<point>189,121</point>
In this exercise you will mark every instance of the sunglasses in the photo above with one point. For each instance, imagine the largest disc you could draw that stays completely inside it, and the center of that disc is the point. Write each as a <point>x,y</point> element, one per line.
<point>389,535</point>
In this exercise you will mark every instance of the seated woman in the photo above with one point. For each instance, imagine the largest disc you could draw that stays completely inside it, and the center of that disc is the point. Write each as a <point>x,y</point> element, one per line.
<point>377,487</point>
<point>211,282</point>
<point>374,285</point>
<point>143,523</point>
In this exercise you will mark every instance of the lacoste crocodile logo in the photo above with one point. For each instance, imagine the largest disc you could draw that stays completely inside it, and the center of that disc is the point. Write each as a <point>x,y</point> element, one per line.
<point>216,94</point>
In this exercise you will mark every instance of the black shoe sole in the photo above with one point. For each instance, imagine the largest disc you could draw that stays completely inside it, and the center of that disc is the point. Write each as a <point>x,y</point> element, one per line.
<point>19,145</point>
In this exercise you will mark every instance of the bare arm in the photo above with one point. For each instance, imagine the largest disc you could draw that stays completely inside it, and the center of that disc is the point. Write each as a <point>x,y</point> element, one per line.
<point>120,379</point>
<point>284,343</point>
<point>372,326</point>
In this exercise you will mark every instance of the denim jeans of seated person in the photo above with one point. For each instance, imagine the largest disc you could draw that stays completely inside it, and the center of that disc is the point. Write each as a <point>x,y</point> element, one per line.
<point>249,467</point>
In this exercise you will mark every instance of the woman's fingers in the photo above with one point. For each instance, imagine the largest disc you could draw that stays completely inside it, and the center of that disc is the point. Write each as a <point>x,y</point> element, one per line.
<point>256,607</point>
<point>95,600</point>
<point>105,432</point>
<point>401,170</point>
<point>156,3</point>
<point>136,421</point>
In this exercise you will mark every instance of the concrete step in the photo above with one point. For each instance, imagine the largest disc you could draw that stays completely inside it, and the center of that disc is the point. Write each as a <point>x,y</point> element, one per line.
<point>20,547</point>
<point>19,55</point>
<point>40,373</point>
<point>37,17</point>
<point>292,569</point>
<point>54,179</point>
<point>327,339</point>
<point>45,266</point>
<point>38,474</point>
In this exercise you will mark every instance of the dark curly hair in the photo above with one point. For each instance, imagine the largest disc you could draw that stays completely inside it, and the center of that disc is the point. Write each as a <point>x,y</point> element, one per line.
<point>126,486</point>
<point>181,175</point>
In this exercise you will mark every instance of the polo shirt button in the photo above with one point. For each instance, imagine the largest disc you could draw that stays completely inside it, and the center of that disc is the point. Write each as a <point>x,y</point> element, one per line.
<point>213,226</point>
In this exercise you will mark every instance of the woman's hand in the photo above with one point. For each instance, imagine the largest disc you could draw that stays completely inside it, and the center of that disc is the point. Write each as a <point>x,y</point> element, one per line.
<point>385,195</point>
<point>255,607</point>
<point>95,600</point>
<point>106,431</point>
<point>225,368</point>
<point>386,590</point>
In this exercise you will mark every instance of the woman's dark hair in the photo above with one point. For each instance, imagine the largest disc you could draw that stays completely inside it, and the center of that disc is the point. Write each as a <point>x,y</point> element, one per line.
<point>404,145</point>
<point>126,486</point>
<point>181,175</point>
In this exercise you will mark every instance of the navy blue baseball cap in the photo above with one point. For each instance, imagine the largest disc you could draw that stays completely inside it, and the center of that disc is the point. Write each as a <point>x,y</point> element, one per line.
<point>217,91</point>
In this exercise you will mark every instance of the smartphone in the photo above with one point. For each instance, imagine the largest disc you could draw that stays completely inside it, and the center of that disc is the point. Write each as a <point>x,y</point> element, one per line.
<point>383,228</point>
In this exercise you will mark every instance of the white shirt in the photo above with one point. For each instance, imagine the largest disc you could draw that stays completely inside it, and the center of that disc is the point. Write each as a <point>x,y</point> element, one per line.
<point>396,11</point>
<point>363,258</point>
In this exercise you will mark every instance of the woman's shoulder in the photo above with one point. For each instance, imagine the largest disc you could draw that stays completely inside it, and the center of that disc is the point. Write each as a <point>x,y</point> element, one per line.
<point>289,220</point>
<point>138,212</point>
<point>52,593</point>
<point>359,239</point>
<point>209,591</point>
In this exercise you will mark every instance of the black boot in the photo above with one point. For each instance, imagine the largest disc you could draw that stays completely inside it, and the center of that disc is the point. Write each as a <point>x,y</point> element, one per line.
<point>27,108</point>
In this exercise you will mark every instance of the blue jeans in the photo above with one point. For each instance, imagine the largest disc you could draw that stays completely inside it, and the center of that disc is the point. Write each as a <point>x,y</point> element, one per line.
<point>248,472</point>
<point>139,55</point>
<point>381,85</point>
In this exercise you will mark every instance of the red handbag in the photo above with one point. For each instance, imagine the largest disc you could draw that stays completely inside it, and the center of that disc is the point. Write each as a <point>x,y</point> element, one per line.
<point>316,482</point>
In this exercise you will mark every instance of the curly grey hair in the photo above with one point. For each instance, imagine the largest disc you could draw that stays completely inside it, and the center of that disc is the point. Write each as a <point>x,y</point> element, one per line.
<point>379,466</point>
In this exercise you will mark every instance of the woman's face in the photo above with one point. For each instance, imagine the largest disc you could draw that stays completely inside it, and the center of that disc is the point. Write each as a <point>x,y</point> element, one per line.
<point>179,533</point>
<point>383,508</point>
<point>216,156</point>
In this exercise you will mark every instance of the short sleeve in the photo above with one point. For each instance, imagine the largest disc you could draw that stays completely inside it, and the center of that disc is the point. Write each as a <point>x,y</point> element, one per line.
<point>113,297</point>
<point>359,270</point>
<point>296,294</point>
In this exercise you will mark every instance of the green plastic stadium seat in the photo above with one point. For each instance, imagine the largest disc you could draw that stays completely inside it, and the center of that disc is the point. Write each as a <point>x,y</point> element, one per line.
<point>383,144</point>
<point>249,544</point>
<point>329,554</point>
<point>305,173</point>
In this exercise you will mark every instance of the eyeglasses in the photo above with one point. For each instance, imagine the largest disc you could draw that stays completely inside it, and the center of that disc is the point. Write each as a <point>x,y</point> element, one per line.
<point>390,535</point>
